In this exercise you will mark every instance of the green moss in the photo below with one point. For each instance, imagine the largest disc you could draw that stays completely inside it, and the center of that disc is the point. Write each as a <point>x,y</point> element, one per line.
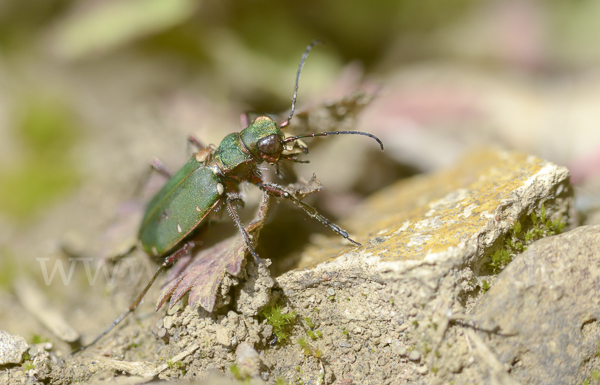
<point>516,241</point>
<point>304,346</point>
<point>237,374</point>
<point>38,339</point>
<point>28,365</point>
<point>593,379</point>
<point>282,323</point>
<point>308,349</point>
<point>485,286</point>
<point>309,323</point>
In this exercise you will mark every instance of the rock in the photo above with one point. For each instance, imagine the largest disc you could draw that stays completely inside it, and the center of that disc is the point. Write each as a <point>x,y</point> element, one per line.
<point>415,355</point>
<point>12,347</point>
<point>432,237</point>
<point>247,360</point>
<point>255,292</point>
<point>224,335</point>
<point>546,306</point>
<point>399,349</point>
<point>168,322</point>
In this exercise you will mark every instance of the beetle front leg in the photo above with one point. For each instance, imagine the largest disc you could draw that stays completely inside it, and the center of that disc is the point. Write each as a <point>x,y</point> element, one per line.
<point>280,192</point>
<point>244,120</point>
<point>231,198</point>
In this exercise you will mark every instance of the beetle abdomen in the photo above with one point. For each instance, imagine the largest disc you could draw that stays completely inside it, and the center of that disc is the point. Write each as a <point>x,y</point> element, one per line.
<point>179,207</point>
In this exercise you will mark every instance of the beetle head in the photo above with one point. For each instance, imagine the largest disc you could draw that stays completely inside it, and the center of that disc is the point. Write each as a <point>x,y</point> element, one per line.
<point>264,139</point>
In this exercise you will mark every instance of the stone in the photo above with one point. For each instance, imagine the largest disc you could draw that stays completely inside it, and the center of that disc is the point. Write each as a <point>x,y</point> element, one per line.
<point>415,355</point>
<point>247,360</point>
<point>12,347</point>
<point>551,336</point>
<point>224,335</point>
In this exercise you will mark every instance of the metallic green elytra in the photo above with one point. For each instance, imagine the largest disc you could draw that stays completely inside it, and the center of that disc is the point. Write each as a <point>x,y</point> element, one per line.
<point>210,181</point>
<point>179,207</point>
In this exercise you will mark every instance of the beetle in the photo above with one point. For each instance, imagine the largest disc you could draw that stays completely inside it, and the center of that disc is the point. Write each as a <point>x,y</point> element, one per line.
<point>210,181</point>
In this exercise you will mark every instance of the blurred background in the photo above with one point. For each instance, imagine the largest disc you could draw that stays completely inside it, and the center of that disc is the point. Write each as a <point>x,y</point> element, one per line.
<point>91,90</point>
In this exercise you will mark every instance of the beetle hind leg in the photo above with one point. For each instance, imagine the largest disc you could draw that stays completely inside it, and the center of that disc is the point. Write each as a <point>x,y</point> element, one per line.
<point>192,140</point>
<point>183,251</point>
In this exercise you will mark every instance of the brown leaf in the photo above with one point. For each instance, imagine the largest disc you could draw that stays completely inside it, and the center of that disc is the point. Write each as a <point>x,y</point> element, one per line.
<point>202,275</point>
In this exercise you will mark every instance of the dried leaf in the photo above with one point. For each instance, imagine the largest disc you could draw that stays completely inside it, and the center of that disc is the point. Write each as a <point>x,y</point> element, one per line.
<point>303,189</point>
<point>203,274</point>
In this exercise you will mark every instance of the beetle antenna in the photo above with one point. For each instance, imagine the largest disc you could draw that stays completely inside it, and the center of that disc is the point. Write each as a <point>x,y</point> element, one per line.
<point>304,55</point>
<point>293,138</point>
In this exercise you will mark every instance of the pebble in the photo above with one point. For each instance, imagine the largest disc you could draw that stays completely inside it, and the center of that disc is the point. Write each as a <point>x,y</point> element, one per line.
<point>422,369</point>
<point>345,344</point>
<point>162,333</point>
<point>33,351</point>
<point>413,312</point>
<point>401,351</point>
<point>224,336</point>
<point>414,355</point>
<point>331,291</point>
<point>12,347</point>
<point>168,322</point>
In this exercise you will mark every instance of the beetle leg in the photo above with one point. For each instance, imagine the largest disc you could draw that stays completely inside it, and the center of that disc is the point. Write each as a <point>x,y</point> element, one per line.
<point>292,158</point>
<point>159,166</point>
<point>230,199</point>
<point>155,165</point>
<point>244,120</point>
<point>183,251</point>
<point>279,191</point>
<point>193,140</point>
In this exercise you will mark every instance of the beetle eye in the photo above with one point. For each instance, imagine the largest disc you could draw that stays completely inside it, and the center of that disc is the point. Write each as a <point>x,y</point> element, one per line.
<point>270,144</point>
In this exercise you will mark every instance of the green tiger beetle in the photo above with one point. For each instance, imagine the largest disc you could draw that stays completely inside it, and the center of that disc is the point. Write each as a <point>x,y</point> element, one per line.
<point>210,181</point>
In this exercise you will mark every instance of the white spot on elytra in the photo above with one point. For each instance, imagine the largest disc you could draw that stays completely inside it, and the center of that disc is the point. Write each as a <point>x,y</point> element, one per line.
<point>220,188</point>
<point>178,228</point>
<point>197,209</point>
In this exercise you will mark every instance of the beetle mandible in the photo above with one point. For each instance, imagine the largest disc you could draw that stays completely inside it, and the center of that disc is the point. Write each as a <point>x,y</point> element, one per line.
<point>210,181</point>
